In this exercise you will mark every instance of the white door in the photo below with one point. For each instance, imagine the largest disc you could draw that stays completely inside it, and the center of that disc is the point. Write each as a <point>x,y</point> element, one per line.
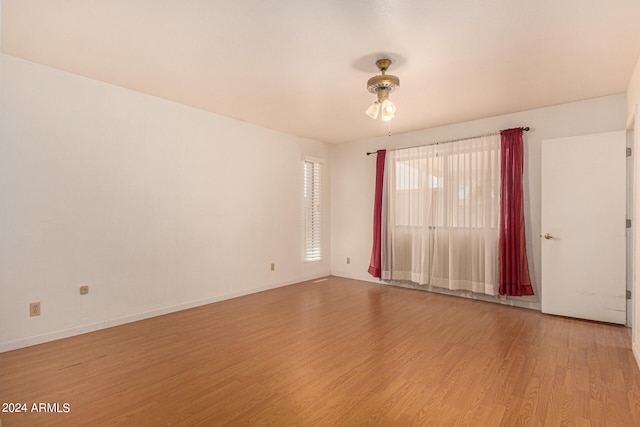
<point>583,227</point>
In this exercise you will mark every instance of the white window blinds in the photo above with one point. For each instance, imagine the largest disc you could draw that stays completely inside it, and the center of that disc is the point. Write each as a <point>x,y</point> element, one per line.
<point>311,200</point>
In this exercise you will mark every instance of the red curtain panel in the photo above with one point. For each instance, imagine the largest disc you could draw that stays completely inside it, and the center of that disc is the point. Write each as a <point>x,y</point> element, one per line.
<point>514,268</point>
<point>375,264</point>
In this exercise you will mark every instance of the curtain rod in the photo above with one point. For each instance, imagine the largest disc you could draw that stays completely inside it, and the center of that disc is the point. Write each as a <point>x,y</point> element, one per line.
<point>524,129</point>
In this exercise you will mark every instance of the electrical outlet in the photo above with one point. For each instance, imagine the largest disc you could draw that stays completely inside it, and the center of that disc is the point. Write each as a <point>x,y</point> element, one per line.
<point>84,290</point>
<point>34,309</point>
<point>348,260</point>
<point>273,266</point>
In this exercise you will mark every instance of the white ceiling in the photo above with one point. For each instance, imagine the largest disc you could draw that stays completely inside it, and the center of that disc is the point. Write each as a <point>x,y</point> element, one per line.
<point>301,66</point>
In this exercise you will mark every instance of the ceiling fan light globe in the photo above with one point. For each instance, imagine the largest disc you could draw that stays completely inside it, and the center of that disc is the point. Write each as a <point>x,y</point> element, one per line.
<point>388,107</point>
<point>388,110</point>
<point>374,110</point>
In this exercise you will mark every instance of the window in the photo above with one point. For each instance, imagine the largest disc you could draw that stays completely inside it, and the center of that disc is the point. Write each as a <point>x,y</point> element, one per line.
<point>442,210</point>
<point>311,203</point>
<point>455,186</point>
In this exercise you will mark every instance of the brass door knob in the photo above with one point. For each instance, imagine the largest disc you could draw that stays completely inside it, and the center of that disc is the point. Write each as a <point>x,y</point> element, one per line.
<point>549,236</point>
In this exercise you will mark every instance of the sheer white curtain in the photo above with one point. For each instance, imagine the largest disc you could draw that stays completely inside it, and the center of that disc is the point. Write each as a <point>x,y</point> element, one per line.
<point>440,215</point>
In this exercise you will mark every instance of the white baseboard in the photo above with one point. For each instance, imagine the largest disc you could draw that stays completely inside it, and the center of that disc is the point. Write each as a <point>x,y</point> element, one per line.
<point>83,329</point>
<point>636,352</point>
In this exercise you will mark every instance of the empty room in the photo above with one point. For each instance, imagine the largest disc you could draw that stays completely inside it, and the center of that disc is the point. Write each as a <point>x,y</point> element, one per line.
<point>307,213</point>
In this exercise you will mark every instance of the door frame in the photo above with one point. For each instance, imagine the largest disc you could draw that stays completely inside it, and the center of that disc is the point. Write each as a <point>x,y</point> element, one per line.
<point>632,176</point>
<point>633,129</point>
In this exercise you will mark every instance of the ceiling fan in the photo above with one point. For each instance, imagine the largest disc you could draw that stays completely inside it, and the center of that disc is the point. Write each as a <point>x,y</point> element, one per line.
<point>382,85</point>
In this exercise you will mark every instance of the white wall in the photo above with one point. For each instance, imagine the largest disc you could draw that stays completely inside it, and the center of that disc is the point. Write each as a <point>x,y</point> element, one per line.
<point>155,205</point>
<point>353,175</point>
<point>633,100</point>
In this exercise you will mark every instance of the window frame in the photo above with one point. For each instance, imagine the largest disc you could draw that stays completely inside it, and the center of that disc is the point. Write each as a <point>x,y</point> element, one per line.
<point>312,209</point>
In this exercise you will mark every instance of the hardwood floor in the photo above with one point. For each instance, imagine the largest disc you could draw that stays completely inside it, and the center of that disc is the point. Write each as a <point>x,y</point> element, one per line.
<point>335,352</point>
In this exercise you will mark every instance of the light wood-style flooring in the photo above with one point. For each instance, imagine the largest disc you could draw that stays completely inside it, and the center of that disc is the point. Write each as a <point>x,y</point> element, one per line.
<point>337,352</point>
